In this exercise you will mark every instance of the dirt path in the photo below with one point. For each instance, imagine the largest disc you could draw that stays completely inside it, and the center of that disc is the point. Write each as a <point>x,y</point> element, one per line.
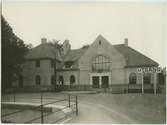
<point>98,113</point>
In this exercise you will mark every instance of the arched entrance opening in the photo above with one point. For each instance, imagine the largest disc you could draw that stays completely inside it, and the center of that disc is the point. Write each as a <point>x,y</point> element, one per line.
<point>132,78</point>
<point>72,79</point>
<point>61,80</point>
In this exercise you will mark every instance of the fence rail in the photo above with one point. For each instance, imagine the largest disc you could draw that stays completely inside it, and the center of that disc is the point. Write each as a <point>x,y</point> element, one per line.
<point>70,100</point>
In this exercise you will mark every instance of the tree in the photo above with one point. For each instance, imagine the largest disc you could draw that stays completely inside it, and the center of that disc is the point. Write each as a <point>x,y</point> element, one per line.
<point>13,51</point>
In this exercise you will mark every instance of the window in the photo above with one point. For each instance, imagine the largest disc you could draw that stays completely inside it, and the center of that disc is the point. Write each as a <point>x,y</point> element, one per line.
<point>53,80</point>
<point>20,81</point>
<point>37,63</point>
<point>147,78</point>
<point>72,79</point>
<point>61,80</point>
<point>68,64</point>
<point>38,80</point>
<point>132,78</point>
<point>52,63</point>
<point>101,63</point>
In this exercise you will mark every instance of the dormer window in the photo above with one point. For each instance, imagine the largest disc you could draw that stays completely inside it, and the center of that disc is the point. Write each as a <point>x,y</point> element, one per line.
<point>37,63</point>
<point>68,64</point>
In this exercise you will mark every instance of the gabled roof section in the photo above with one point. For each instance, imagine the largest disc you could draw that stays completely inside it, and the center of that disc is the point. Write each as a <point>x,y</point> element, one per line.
<point>133,57</point>
<point>75,54</point>
<point>44,51</point>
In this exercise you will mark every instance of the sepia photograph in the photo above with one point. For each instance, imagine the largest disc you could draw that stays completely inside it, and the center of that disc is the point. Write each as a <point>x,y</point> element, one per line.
<point>83,62</point>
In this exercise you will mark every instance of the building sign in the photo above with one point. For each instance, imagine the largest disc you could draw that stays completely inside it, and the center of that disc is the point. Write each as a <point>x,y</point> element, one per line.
<point>149,70</point>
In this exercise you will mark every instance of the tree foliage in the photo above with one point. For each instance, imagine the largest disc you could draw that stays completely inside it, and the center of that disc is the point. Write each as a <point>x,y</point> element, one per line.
<point>13,51</point>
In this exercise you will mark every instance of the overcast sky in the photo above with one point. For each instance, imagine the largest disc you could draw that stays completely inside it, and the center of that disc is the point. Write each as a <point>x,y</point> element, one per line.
<point>142,23</point>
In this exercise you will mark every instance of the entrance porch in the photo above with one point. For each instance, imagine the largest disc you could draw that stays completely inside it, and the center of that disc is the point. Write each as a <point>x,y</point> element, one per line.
<point>100,80</point>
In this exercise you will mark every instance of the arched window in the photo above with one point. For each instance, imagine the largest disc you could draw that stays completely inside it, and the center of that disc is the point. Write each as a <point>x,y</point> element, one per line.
<point>38,80</point>
<point>147,78</point>
<point>100,63</point>
<point>20,81</point>
<point>72,79</point>
<point>61,80</point>
<point>53,79</point>
<point>132,78</point>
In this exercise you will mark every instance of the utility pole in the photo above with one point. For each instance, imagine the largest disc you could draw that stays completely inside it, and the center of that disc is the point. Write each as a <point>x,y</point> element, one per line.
<point>55,73</point>
<point>42,116</point>
<point>155,83</point>
<point>142,83</point>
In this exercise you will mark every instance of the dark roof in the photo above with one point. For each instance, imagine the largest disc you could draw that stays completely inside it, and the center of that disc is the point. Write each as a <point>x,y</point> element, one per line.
<point>44,51</point>
<point>133,57</point>
<point>74,54</point>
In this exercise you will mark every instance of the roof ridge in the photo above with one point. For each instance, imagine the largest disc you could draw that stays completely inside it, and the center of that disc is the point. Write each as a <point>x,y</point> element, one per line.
<point>75,49</point>
<point>118,44</point>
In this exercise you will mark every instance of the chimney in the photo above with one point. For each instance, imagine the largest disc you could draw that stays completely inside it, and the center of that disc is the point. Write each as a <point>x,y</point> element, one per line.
<point>126,41</point>
<point>43,41</point>
<point>66,46</point>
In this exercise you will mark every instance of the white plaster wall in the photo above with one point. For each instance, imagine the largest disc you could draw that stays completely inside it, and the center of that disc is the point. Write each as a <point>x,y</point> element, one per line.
<point>117,61</point>
<point>66,75</point>
<point>84,77</point>
<point>139,75</point>
<point>30,71</point>
<point>118,76</point>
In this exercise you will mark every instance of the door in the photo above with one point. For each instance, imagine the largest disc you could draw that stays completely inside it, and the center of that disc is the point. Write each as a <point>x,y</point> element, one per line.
<point>105,82</point>
<point>95,81</point>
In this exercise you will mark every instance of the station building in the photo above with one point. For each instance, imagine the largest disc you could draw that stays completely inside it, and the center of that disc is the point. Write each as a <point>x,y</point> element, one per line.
<point>98,65</point>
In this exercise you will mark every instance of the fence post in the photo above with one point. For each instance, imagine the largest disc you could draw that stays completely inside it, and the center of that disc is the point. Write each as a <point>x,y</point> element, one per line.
<point>42,118</point>
<point>76,99</point>
<point>69,100</point>
<point>14,95</point>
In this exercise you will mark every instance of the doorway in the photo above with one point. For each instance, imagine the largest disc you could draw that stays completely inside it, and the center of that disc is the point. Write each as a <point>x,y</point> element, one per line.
<point>100,81</point>
<point>96,82</point>
<point>105,82</point>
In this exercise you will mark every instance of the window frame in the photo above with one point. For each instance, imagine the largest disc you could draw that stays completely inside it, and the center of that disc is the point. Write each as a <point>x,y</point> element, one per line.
<point>68,64</point>
<point>61,78</point>
<point>147,78</point>
<point>101,63</point>
<point>37,80</point>
<point>132,78</point>
<point>72,79</point>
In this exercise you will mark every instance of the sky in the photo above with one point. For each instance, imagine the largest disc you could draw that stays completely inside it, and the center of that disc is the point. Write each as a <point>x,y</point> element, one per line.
<point>142,23</point>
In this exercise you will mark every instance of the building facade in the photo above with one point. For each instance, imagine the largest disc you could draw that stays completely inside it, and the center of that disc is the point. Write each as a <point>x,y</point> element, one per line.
<point>99,65</point>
